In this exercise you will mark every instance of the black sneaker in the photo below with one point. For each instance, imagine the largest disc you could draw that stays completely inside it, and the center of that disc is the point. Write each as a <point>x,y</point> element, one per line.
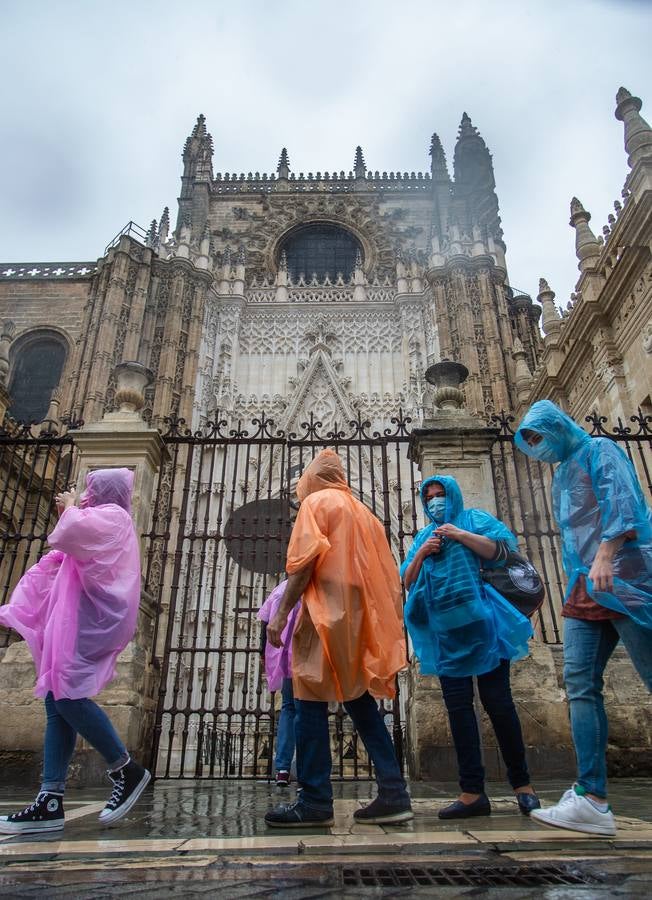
<point>380,812</point>
<point>298,815</point>
<point>129,783</point>
<point>44,814</point>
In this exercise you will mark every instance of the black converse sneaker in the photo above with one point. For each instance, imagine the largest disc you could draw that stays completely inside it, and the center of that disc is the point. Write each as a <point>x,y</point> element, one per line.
<point>44,814</point>
<point>128,784</point>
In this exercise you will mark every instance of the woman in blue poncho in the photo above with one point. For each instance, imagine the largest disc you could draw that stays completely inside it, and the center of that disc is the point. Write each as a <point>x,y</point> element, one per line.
<point>606,532</point>
<point>461,627</point>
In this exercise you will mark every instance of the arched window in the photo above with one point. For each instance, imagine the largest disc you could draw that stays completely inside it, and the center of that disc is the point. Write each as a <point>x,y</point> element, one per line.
<point>320,249</point>
<point>36,368</point>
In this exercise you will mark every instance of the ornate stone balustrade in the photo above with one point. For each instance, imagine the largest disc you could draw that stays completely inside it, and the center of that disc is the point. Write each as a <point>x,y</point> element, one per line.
<point>234,183</point>
<point>321,294</point>
<point>43,270</point>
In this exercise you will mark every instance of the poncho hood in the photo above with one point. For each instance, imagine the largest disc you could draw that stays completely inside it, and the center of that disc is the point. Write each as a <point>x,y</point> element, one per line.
<point>110,486</point>
<point>325,471</point>
<point>564,435</point>
<point>454,498</point>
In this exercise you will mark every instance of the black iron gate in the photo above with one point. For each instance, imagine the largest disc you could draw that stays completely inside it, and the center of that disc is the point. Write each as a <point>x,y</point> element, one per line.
<point>220,526</point>
<point>34,466</point>
<point>216,548</point>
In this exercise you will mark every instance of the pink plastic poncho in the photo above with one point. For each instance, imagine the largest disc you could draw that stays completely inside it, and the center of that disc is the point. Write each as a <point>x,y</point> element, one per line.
<point>278,660</point>
<point>77,607</point>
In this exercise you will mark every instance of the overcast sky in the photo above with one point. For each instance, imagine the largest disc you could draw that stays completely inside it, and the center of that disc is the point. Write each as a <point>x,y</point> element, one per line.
<point>99,97</point>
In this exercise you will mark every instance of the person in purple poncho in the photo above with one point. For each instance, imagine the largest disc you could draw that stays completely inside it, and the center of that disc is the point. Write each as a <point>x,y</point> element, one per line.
<point>77,610</point>
<point>278,669</point>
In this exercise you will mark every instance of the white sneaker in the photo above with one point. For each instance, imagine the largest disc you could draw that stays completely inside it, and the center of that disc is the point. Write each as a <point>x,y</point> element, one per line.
<point>577,814</point>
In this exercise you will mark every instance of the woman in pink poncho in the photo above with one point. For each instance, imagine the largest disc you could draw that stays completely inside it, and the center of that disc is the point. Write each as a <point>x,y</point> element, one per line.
<point>77,609</point>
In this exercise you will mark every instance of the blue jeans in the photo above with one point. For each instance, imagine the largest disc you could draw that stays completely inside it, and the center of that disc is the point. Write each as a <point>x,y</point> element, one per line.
<point>496,696</point>
<point>65,720</point>
<point>314,751</point>
<point>587,648</point>
<point>285,742</point>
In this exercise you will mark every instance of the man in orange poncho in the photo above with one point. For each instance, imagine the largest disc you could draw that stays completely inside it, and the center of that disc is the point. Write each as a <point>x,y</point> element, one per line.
<point>348,643</point>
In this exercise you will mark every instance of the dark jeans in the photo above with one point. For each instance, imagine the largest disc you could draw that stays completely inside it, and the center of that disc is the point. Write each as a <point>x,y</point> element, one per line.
<point>496,696</point>
<point>65,720</point>
<point>285,735</point>
<point>314,751</point>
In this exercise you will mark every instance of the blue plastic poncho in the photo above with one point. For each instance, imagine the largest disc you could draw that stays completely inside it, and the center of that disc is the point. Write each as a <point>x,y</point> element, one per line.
<point>458,624</point>
<point>596,497</point>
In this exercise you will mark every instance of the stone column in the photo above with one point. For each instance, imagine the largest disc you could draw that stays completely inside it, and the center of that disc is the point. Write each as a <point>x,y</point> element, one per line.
<point>453,442</point>
<point>121,438</point>
<point>7,329</point>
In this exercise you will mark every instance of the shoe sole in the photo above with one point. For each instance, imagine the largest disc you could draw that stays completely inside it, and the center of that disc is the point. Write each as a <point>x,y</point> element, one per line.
<point>404,816</point>
<point>117,814</point>
<point>324,823</point>
<point>598,830</point>
<point>18,828</point>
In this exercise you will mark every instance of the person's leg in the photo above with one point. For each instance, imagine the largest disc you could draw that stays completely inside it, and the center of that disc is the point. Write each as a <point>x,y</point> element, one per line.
<point>58,748</point>
<point>89,720</point>
<point>314,803</point>
<point>285,742</point>
<point>313,754</point>
<point>587,648</point>
<point>371,727</point>
<point>638,643</point>
<point>458,697</point>
<point>129,778</point>
<point>496,697</point>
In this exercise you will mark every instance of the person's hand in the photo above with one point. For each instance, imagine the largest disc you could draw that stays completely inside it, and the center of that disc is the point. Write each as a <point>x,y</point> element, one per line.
<point>601,573</point>
<point>275,629</point>
<point>431,546</point>
<point>65,499</point>
<point>450,531</point>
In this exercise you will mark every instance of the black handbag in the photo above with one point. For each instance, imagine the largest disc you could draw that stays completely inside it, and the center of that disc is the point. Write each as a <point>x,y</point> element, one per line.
<point>519,582</point>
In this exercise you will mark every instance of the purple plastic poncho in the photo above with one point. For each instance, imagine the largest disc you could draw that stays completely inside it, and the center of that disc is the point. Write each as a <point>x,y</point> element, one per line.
<point>77,607</point>
<point>278,660</point>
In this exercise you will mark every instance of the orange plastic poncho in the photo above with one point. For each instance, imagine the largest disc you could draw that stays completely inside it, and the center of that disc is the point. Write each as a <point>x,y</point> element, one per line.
<point>349,638</point>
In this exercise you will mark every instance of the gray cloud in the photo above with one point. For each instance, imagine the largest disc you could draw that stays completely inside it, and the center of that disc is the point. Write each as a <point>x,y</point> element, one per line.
<point>100,97</point>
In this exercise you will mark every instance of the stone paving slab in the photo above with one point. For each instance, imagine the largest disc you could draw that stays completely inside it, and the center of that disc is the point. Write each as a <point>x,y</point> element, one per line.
<point>189,828</point>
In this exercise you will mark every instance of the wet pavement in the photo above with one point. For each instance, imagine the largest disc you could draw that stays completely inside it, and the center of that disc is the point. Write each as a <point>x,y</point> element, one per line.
<point>186,839</point>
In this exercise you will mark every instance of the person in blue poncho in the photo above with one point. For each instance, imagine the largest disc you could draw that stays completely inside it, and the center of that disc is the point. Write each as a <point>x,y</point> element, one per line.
<point>461,627</point>
<point>606,532</point>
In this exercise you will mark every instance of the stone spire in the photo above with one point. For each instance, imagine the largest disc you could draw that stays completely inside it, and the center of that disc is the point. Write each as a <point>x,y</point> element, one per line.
<point>438,167</point>
<point>587,248</point>
<point>283,167</point>
<point>164,226</point>
<point>550,320</point>
<point>359,165</point>
<point>441,188</point>
<point>638,134</point>
<point>197,173</point>
<point>474,197</point>
<point>151,238</point>
<point>198,150</point>
<point>467,130</point>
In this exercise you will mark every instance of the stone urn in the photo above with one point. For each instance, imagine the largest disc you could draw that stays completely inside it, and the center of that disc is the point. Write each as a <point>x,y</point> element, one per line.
<point>132,378</point>
<point>446,377</point>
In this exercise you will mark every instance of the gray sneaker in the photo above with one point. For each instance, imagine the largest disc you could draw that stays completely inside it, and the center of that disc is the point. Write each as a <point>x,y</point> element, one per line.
<point>380,812</point>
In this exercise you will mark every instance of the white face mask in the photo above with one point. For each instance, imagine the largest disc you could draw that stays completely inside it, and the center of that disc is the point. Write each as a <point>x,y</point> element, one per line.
<point>437,508</point>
